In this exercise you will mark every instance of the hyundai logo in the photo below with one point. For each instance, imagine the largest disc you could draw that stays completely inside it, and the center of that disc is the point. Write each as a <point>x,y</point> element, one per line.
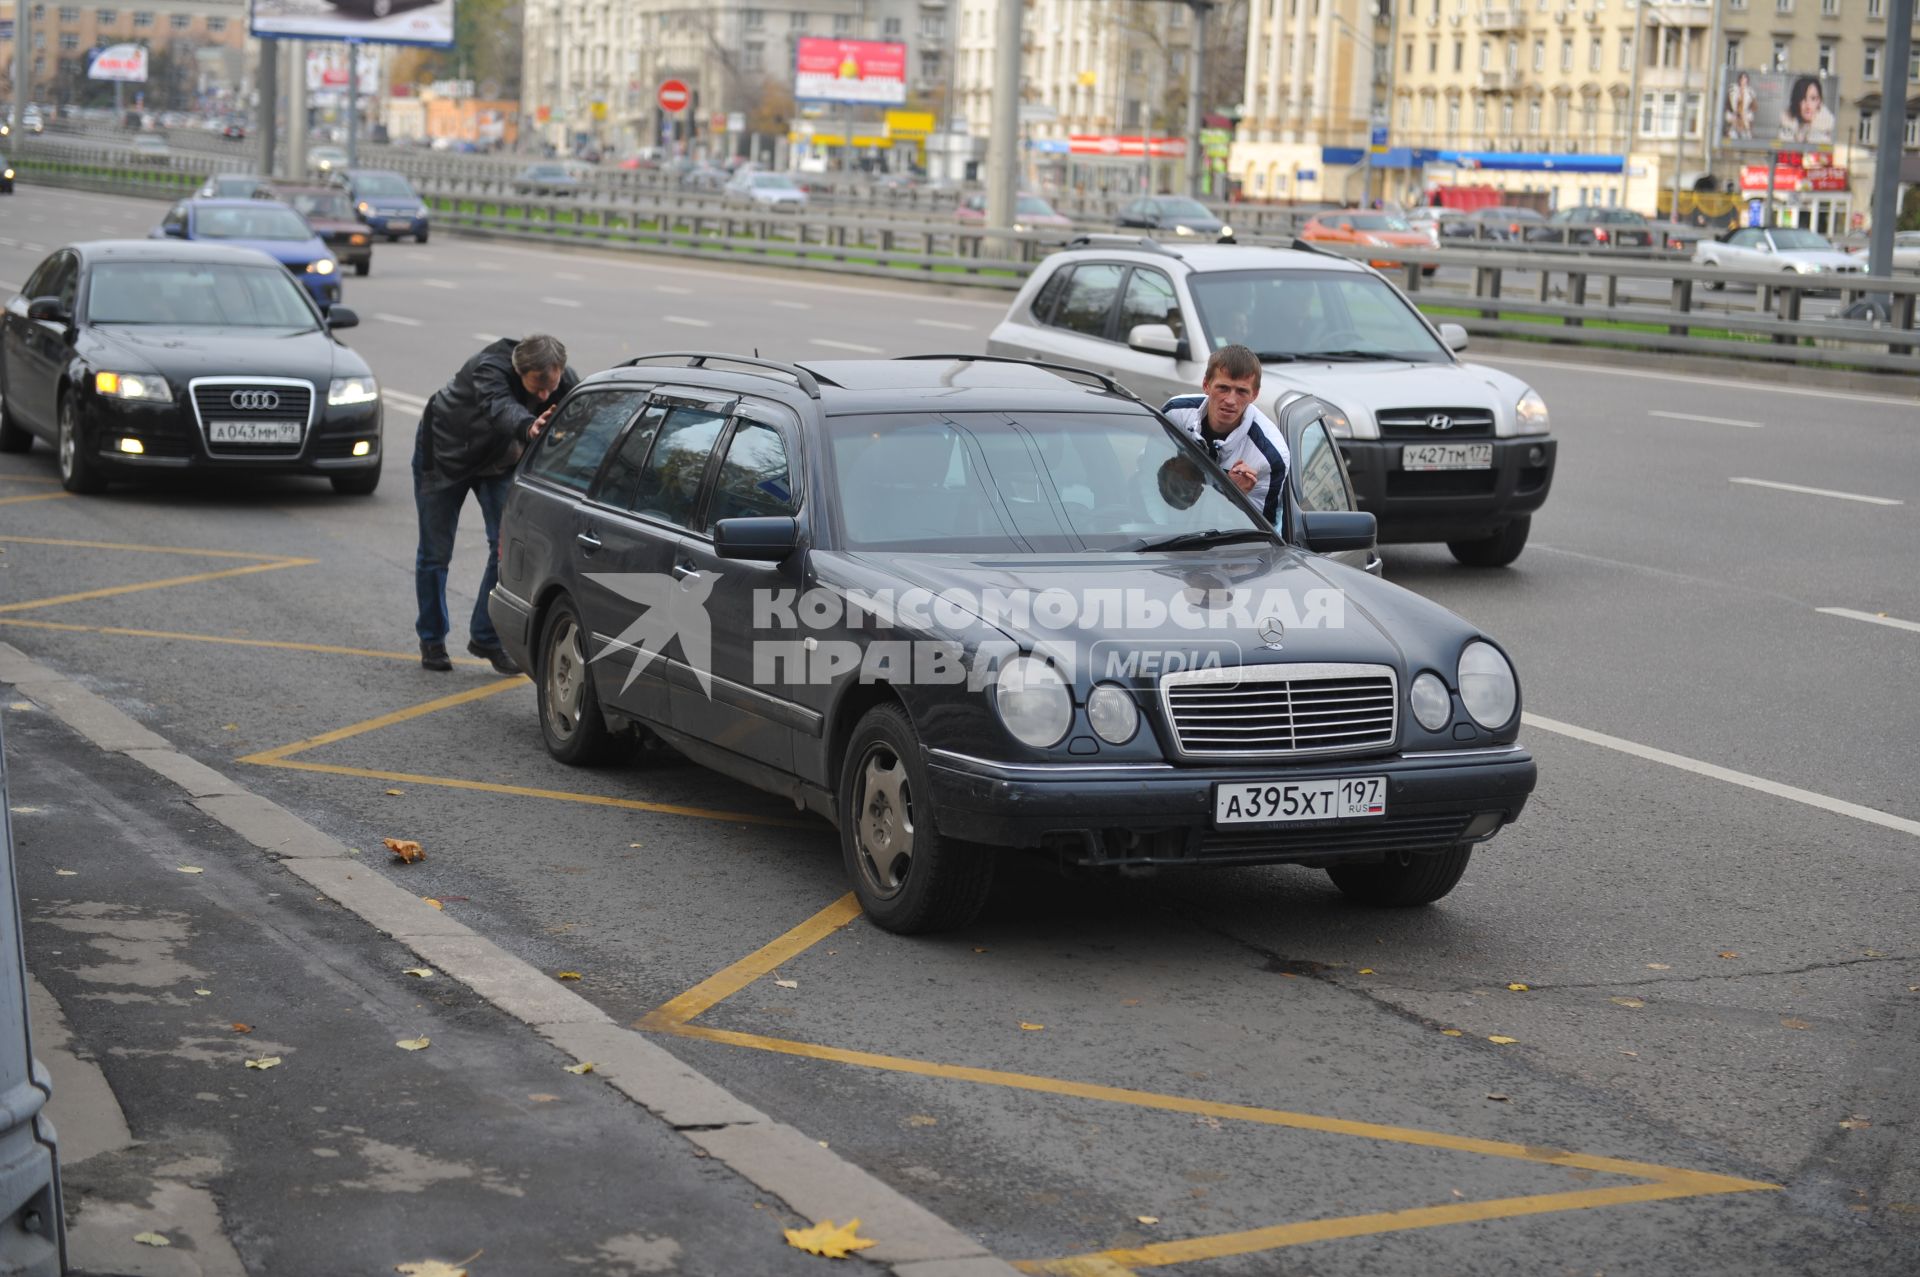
<point>1439,421</point>
<point>254,400</point>
<point>1272,631</point>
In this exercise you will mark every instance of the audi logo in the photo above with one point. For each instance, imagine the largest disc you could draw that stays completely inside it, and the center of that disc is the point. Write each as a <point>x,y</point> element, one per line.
<point>257,400</point>
<point>1439,421</point>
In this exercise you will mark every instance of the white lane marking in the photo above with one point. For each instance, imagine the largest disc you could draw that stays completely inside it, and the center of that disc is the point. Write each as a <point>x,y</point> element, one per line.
<point>675,289</point>
<point>568,302</point>
<point>32,247</point>
<point>401,399</point>
<point>402,320</point>
<point>8,243</point>
<point>568,275</point>
<point>7,283</point>
<point>784,304</point>
<point>439,283</point>
<point>686,321</point>
<point>489,338</point>
<point>1694,416</point>
<point>943,323</point>
<point>1771,388</point>
<point>854,346</point>
<point>1712,771</point>
<point>1817,492</point>
<point>495,266</point>
<point>1870,618</point>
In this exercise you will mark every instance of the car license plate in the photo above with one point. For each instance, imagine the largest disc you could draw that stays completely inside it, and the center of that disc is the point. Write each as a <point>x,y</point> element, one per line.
<point>1447,456</point>
<point>253,432</point>
<point>1292,801</point>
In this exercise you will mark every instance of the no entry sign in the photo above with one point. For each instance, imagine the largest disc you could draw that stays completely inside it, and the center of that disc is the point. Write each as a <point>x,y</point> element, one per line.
<point>674,95</point>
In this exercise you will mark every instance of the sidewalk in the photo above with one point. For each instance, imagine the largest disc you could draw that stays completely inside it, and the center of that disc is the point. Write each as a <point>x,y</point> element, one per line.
<point>159,933</point>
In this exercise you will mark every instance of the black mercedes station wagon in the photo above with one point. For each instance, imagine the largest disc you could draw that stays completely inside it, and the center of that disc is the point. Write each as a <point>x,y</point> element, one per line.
<point>958,603</point>
<point>134,357</point>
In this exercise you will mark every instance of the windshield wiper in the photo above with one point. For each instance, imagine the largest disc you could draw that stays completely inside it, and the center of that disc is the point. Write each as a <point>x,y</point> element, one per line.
<point>1275,357</point>
<point>1199,540</point>
<point>1355,356</point>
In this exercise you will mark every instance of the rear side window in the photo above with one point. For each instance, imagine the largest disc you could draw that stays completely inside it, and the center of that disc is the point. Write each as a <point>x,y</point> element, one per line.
<point>1088,300</point>
<point>754,479</point>
<point>575,442</point>
<point>1149,300</point>
<point>669,486</point>
<point>622,482</point>
<point>1050,294</point>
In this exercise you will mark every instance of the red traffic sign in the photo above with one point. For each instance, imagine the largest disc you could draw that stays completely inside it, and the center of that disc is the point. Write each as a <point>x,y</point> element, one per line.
<point>674,95</point>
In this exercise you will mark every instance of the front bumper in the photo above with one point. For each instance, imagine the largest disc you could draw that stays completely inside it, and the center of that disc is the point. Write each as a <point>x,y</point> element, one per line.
<point>171,439</point>
<point>1120,815</point>
<point>324,289</point>
<point>1449,505</point>
<point>395,223</point>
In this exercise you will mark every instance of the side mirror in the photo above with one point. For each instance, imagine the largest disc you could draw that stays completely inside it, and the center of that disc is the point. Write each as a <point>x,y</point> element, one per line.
<point>1454,336</point>
<point>758,538</point>
<point>1764,246</point>
<point>48,309</point>
<point>1157,339</point>
<point>339,317</point>
<point>1329,531</point>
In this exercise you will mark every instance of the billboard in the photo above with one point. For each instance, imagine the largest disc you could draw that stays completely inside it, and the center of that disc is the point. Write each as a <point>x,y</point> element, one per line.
<point>864,72</point>
<point>327,71</point>
<point>124,62</point>
<point>1766,110</point>
<point>425,22</point>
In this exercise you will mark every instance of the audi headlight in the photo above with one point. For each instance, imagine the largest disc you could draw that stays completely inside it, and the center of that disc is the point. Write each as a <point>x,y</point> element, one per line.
<point>1114,714</point>
<point>1226,232</point>
<point>1530,414</point>
<point>133,385</point>
<point>1487,686</point>
<point>322,267</point>
<point>1432,706</point>
<point>342,391</point>
<point>1033,701</point>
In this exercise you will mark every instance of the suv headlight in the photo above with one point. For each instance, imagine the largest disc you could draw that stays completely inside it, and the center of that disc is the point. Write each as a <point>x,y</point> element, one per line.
<point>1032,700</point>
<point>1530,414</point>
<point>322,267</point>
<point>351,390</point>
<point>1487,686</point>
<point>133,385</point>
<point>1337,424</point>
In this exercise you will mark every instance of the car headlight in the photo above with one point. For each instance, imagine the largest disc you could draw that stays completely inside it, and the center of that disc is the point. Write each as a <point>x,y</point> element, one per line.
<point>1337,423</point>
<point>8,175</point>
<point>1183,230</point>
<point>133,385</point>
<point>1226,232</point>
<point>1033,701</point>
<point>421,211</point>
<point>356,240</point>
<point>1432,705</point>
<point>364,207</point>
<point>322,267</point>
<point>351,390</point>
<point>1487,686</point>
<point>1114,714</point>
<point>1530,414</point>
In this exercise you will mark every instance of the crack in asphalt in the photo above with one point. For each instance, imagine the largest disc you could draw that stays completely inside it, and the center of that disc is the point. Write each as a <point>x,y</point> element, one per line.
<point>1648,982</point>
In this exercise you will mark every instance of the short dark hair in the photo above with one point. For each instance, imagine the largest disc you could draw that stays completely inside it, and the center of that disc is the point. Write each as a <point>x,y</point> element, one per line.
<point>538,353</point>
<point>1235,361</point>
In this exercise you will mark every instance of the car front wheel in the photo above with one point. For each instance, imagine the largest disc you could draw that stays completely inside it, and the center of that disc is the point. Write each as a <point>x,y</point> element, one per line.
<point>79,472</point>
<point>908,877</point>
<point>1404,879</point>
<point>570,719</point>
<point>1497,550</point>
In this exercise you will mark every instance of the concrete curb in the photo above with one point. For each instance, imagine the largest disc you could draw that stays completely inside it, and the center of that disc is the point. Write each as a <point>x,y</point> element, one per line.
<point>783,1161</point>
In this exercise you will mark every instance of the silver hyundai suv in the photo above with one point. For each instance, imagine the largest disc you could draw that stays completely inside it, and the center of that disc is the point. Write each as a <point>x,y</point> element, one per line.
<point>1437,449</point>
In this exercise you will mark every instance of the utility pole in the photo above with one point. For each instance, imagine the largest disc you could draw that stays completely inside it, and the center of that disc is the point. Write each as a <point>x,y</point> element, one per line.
<point>1003,155</point>
<point>266,120</point>
<point>1196,56</point>
<point>353,104</point>
<point>22,65</point>
<point>1886,163</point>
<point>296,110</point>
<point>1633,107</point>
<point>1680,130</point>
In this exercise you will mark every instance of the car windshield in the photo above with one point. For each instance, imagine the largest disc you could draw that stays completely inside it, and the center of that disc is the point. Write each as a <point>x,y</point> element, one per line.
<point>1297,314</point>
<point>198,294</point>
<point>322,204</point>
<point>1379,222</point>
<point>1039,483</point>
<point>1789,240</point>
<point>1034,206</point>
<point>265,222</point>
<point>773,182</point>
<point>1181,208</point>
<point>383,186</point>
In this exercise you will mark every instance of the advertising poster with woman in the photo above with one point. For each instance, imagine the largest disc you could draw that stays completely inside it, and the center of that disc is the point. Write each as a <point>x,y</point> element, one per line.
<point>1769,110</point>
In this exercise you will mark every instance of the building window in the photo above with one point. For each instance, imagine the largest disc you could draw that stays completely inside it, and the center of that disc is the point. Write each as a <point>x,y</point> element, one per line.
<point>180,21</point>
<point>842,23</point>
<point>1506,117</point>
<point>797,20</point>
<point>1539,55</point>
<point>106,17</point>
<point>1406,63</point>
<point>1513,56</point>
<point>1867,132</point>
<point>753,19</point>
<point>216,26</point>
<point>1872,62</point>
<point>1433,55</point>
<point>1913,67</point>
<point>142,19</point>
<point>1459,54</point>
<point>69,42</point>
<point>1486,55</point>
<point>1875,8</point>
<point>1626,53</point>
<point>1693,114</point>
<point>1779,55</point>
<point>1783,6</point>
<point>934,25</point>
<point>1480,116</point>
<point>1426,114</point>
<point>1533,117</point>
<point>69,14</point>
<point>1830,8</point>
<point>1596,48</point>
<point>929,66</point>
<point>753,56</point>
<point>1562,116</point>
<point>1912,135</point>
<point>1453,119</point>
<point>891,26</point>
<point>1566,54</point>
<point>1826,57</point>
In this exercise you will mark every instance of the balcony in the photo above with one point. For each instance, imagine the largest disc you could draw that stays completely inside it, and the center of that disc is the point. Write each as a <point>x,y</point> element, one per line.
<point>1500,19</point>
<point>1498,81</point>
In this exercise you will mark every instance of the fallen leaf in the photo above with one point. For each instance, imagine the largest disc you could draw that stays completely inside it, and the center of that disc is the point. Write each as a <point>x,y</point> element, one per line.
<point>1635,1003</point>
<point>191,869</point>
<point>635,844</point>
<point>1855,1124</point>
<point>585,1066</point>
<point>921,1119</point>
<point>425,973</point>
<point>1631,1054</point>
<point>788,984</point>
<point>1031,1028</point>
<point>404,850</point>
<point>1209,1121</point>
<point>151,1239</point>
<point>566,975</point>
<point>242,1028</point>
<point>1658,966</point>
<point>1517,988</point>
<point>1496,1095</point>
<point>264,1062</point>
<point>205,993</point>
<point>396,792</point>
<point>827,1238</point>
<point>1501,1040</point>
<point>66,873</point>
<point>1791,1023</point>
<point>977,949</point>
<point>414,1044</point>
<point>1452,1033</point>
<point>21,705</point>
<point>1129,1002</point>
<point>1148,1219</point>
<point>229,727</point>
<point>435,903</point>
<point>1366,970</point>
<point>541,1097</point>
<point>437,1267</point>
<point>1728,953</point>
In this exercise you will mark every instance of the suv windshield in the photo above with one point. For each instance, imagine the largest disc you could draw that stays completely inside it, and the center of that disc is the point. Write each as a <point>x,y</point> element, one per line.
<point>1298,314</point>
<point>1047,483</point>
<point>383,186</point>
<point>200,294</point>
<point>265,222</point>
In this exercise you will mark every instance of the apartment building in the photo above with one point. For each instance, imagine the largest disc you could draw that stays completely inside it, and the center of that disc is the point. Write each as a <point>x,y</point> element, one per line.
<point>62,35</point>
<point>1315,90</point>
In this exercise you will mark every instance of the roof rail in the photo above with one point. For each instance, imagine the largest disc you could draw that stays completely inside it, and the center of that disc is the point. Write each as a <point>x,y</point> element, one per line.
<point>1105,382</point>
<point>747,363</point>
<point>1138,243</point>
<point>1308,246</point>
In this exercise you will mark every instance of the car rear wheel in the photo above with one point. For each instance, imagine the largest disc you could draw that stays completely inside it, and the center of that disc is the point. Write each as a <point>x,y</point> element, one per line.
<point>361,268</point>
<point>570,718</point>
<point>1497,550</point>
<point>79,472</point>
<point>1404,879</point>
<point>356,483</point>
<point>14,437</point>
<point>908,877</point>
<point>421,238</point>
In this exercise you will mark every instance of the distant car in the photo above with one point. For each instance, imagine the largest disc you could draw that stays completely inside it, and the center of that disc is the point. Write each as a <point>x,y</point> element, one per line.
<point>236,186</point>
<point>134,357</point>
<point>150,148</point>
<point>1906,250</point>
<point>1788,249</point>
<point>386,202</point>
<point>326,159</point>
<point>30,122</point>
<point>766,190</point>
<point>1030,212</point>
<point>233,131</point>
<point>1590,225</point>
<point>377,8</point>
<point>1174,213</point>
<point>273,229</point>
<point>1370,228</point>
<point>1432,221</point>
<point>1498,222</point>
<point>551,177</point>
<point>703,177</point>
<point>330,213</point>
<point>6,176</point>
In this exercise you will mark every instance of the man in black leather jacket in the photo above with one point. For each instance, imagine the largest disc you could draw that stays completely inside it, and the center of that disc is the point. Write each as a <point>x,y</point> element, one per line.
<point>471,436</point>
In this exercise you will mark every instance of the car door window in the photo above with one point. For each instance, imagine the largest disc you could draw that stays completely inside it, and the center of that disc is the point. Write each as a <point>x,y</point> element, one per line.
<point>1150,299</point>
<point>1050,294</point>
<point>176,219</point>
<point>576,441</point>
<point>36,282</point>
<point>63,281</point>
<point>669,482</point>
<point>1089,299</point>
<point>754,478</point>
<point>1321,484</point>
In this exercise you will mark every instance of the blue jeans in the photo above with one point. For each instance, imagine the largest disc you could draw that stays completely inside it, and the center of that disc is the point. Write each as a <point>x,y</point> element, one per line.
<point>439,506</point>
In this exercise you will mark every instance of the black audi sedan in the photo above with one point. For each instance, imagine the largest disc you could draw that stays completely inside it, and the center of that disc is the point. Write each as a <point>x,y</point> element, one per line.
<point>960,603</point>
<point>132,357</point>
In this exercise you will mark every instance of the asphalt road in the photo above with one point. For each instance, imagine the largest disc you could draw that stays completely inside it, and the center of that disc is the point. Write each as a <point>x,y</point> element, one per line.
<point>1720,974</point>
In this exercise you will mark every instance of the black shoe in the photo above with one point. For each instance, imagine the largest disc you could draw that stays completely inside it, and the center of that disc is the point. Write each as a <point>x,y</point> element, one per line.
<point>433,656</point>
<point>496,657</point>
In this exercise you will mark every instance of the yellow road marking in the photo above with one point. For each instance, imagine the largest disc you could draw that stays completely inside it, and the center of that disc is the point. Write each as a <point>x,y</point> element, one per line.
<point>34,496</point>
<point>328,649</point>
<point>722,985</point>
<point>68,543</point>
<point>113,591</point>
<point>438,703</point>
<point>27,478</point>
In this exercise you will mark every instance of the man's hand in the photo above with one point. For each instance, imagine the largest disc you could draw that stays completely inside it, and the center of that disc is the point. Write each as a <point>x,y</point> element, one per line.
<point>1243,476</point>
<point>539,424</point>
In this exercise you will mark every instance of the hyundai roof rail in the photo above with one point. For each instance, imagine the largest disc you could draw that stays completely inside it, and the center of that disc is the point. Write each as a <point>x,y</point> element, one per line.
<point>1137,243</point>
<point>741,363</point>
<point>1105,382</point>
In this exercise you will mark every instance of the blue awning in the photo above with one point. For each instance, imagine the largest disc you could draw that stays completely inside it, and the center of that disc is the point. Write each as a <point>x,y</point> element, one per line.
<point>1533,161</point>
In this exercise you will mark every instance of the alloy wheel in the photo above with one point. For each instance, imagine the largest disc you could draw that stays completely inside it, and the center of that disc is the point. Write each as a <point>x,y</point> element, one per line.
<point>883,831</point>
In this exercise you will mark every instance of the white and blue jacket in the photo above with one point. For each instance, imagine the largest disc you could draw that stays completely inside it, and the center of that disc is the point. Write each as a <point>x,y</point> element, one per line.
<point>1256,441</point>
